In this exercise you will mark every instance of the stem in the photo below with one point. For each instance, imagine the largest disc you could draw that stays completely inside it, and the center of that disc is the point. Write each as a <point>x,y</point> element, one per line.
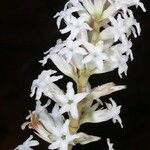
<point>81,87</point>
<point>82,81</point>
<point>95,24</point>
<point>70,147</point>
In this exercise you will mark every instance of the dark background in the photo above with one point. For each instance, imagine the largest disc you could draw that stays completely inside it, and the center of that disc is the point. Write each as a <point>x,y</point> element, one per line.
<point>27,29</point>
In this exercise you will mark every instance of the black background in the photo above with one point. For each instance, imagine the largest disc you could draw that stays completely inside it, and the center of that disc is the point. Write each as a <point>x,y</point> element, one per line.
<point>27,29</point>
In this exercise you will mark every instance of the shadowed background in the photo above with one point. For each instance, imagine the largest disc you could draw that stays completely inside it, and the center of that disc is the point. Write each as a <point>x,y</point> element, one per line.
<point>27,29</point>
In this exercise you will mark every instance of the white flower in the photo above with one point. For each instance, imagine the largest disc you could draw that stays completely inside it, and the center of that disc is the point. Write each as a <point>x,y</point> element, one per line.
<point>121,27</point>
<point>65,67</point>
<point>70,100</point>
<point>114,111</point>
<point>95,55</point>
<point>110,145</point>
<point>94,7</point>
<point>85,139</point>
<point>44,122</point>
<point>118,60</point>
<point>127,3</point>
<point>118,29</point>
<point>130,22</point>
<point>27,144</point>
<point>101,115</point>
<point>58,118</point>
<point>44,80</point>
<point>105,89</point>
<point>62,137</point>
<point>75,26</point>
<point>65,14</point>
<point>72,48</point>
<point>59,45</point>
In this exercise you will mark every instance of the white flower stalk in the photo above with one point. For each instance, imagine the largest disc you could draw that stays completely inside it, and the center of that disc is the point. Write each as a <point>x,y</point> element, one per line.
<point>99,40</point>
<point>27,144</point>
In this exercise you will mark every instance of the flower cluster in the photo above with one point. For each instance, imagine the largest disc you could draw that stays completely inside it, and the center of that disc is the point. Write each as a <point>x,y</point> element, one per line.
<point>107,49</point>
<point>99,41</point>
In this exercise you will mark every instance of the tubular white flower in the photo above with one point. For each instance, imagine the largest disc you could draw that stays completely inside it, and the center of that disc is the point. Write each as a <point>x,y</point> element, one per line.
<point>101,115</point>
<point>118,29</point>
<point>127,3</point>
<point>118,60</point>
<point>27,144</point>
<point>62,137</point>
<point>75,26</point>
<point>66,68</point>
<point>94,7</point>
<point>71,49</point>
<point>95,55</point>
<point>43,122</point>
<point>85,139</point>
<point>66,14</point>
<point>59,45</point>
<point>105,89</point>
<point>44,79</point>
<point>115,111</point>
<point>70,100</point>
<point>58,118</point>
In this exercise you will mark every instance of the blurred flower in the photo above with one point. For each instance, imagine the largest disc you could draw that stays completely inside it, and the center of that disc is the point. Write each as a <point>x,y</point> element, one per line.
<point>110,145</point>
<point>27,144</point>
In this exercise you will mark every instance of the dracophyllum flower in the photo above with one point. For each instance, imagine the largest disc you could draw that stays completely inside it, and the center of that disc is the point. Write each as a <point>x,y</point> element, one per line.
<point>27,144</point>
<point>119,60</point>
<point>118,5</point>
<point>62,137</point>
<point>121,28</point>
<point>118,29</point>
<point>95,54</point>
<point>75,26</point>
<point>58,118</point>
<point>104,90</point>
<point>94,7</point>
<point>65,14</point>
<point>110,145</point>
<point>41,84</point>
<point>124,49</point>
<point>69,101</point>
<point>85,139</point>
<point>43,122</point>
<point>130,22</point>
<point>127,3</point>
<point>72,48</point>
<point>53,50</point>
<point>115,111</point>
<point>111,112</point>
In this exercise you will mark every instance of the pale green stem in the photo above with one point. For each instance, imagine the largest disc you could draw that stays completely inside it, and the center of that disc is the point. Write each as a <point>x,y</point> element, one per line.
<point>82,81</point>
